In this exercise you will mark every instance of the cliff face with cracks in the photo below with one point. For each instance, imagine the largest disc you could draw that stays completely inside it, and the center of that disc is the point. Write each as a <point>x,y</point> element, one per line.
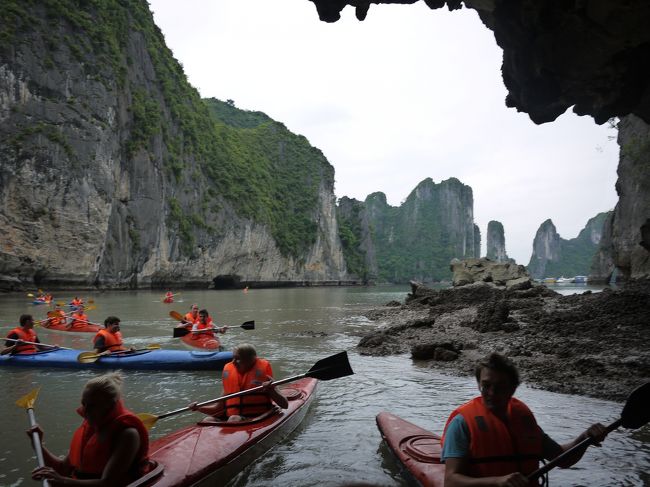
<point>496,242</point>
<point>113,172</point>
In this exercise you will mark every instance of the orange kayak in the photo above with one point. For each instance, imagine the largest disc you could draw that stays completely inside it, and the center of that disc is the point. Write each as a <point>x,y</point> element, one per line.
<point>417,449</point>
<point>81,329</point>
<point>202,341</point>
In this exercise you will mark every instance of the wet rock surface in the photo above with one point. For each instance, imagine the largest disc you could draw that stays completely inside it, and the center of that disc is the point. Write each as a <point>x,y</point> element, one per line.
<point>595,344</point>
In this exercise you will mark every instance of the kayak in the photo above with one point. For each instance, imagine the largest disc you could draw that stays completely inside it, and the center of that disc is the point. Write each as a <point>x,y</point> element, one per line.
<point>82,329</point>
<point>212,452</point>
<point>40,301</point>
<point>417,449</point>
<point>142,360</point>
<point>202,341</point>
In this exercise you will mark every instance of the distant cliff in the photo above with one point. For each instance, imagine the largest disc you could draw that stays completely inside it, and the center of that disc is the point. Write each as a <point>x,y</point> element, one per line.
<point>626,236</point>
<point>554,256</point>
<point>496,242</point>
<point>114,173</point>
<point>416,240</point>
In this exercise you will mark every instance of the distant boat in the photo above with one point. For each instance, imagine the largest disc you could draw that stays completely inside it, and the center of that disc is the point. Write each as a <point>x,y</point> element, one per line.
<point>549,280</point>
<point>565,280</point>
<point>580,279</point>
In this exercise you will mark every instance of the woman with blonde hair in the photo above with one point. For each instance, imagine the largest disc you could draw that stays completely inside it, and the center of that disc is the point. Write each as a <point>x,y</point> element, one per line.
<point>109,448</point>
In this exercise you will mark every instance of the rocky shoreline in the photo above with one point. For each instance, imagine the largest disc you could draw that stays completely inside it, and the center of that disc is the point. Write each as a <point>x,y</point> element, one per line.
<point>594,344</point>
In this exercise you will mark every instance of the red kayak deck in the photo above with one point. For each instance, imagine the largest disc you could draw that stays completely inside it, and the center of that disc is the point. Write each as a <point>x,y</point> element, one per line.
<point>213,452</point>
<point>201,341</point>
<point>417,449</point>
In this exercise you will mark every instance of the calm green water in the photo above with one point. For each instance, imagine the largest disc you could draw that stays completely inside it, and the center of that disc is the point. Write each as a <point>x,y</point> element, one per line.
<point>338,442</point>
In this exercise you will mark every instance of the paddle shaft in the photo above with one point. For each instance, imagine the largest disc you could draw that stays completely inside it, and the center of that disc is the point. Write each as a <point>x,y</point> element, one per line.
<point>36,439</point>
<point>235,394</point>
<point>583,444</point>
<point>36,343</point>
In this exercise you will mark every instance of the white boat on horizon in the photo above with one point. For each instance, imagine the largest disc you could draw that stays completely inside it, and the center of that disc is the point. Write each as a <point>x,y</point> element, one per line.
<point>565,280</point>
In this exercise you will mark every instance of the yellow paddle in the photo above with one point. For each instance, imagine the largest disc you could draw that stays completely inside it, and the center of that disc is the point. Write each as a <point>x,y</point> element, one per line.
<point>92,357</point>
<point>27,402</point>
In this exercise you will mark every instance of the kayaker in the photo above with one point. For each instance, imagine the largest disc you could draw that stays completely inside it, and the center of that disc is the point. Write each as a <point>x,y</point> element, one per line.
<point>496,438</point>
<point>59,319</point>
<point>205,323</point>
<point>192,316</point>
<point>109,339</point>
<point>76,302</point>
<point>23,333</point>
<point>109,448</point>
<point>245,371</point>
<point>169,297</point>
<point>78,319</point>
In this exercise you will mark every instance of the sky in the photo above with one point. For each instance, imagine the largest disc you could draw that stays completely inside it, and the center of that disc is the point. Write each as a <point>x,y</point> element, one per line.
<point>407,94</point>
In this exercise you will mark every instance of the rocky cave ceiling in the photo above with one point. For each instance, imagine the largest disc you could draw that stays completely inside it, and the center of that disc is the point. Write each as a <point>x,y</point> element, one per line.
<point>592,55</point>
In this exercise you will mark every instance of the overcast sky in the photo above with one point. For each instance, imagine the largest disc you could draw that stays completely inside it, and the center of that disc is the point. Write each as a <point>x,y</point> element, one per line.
<point>407,94</point>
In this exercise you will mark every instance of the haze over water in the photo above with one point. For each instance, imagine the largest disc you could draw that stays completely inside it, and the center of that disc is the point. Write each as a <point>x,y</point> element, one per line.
<point>338,441</point>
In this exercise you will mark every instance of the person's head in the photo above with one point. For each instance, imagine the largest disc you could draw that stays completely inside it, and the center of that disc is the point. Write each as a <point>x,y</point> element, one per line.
<point>497,379</point>
<point>26,321</point>
<point>244,357</point>
<point>112,324</point>
<point>194,309</point>
<point>203,315</point>
<point>100,396</point>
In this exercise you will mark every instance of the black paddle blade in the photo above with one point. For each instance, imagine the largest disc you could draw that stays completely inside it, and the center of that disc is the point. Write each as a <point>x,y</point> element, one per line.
<point>249,325</point>
<point>331,367</point>
<point>180,332</point>
<point>636,412</point>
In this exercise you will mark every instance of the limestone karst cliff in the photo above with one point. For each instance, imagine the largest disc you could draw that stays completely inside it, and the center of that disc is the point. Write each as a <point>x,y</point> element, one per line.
<point>114,172</point>
<point>554,256</point>
<point>496,242</point>
<point>624,245</point>
<point>416,240</point>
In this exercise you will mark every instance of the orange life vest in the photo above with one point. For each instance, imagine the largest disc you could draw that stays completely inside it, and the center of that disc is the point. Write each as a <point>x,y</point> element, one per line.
<point>90,449</point>
<point>189,317</point>
<point>26,336</point>
<point>203,326</point>
<point>76,302</point>
<point>233,381</point>
<point>497,448</point>
<point>60,319</point>
<point>112,341</point>
<point>79,320</point>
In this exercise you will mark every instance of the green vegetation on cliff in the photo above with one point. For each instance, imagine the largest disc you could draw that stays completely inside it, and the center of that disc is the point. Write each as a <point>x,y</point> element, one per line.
<point>212,152</point>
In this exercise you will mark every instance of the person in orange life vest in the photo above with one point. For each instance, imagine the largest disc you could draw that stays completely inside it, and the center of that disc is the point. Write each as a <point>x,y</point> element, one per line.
<point>169,297</point>
<point>23,333</point>
<point>494,440</point>
<point>60,319</point>
<point>78,319</point>
<point>109,339</point>
<point>192,316</point>
<point>109,448</point>
<point>205,323</point>
<point>76,302</point>
<point>245,371</point>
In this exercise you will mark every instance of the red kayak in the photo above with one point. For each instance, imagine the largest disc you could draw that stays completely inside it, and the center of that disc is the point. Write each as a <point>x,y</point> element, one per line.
<point>202,341</point>
<point>82,329</point>
<point>212,452</point>
<point>417,449</point>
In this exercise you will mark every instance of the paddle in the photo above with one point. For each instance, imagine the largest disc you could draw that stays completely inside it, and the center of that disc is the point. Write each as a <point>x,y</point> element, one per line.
<point>329,368</point>
<point>36,343</point>
<point>27,402</point>
<point>181,332</point>
<point>635,414</point>
<point>92,357</point>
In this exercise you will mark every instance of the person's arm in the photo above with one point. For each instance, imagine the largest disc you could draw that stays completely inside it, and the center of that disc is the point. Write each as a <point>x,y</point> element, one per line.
<point>217,409</point>
<point>275,395</point>
<point>100,344</point>
<point>10,346</point>
<point>551,449</point>
<point>59,464</point>
<point>115,472</point>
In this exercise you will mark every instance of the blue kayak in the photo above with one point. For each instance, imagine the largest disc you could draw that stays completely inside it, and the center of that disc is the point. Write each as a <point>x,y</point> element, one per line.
<point>142,360</point>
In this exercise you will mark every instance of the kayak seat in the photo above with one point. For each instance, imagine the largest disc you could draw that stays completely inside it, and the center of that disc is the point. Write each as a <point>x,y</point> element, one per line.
<point>155,472</point>
<point>423,448</point>
<point>212,421</point>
